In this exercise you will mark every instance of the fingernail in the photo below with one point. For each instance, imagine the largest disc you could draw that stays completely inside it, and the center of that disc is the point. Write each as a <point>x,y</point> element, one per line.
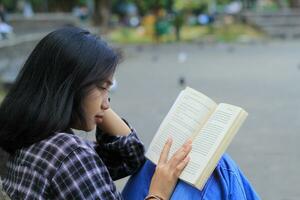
<point>187,147</point>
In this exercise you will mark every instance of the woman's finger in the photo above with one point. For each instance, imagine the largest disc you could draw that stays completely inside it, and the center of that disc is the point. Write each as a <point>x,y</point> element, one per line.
<point>181,154</point>
<point>182,165</point>
<point>165,152</point>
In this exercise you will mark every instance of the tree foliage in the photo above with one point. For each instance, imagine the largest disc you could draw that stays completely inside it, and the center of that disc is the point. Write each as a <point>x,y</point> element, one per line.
<point>190,4</point>
<point>144,7</point>
<point>40,5</point>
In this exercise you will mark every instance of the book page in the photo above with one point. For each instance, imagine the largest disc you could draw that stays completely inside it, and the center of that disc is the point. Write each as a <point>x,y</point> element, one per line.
<point>221,149</point>
<point>187,115</point>
<point>209,139</point>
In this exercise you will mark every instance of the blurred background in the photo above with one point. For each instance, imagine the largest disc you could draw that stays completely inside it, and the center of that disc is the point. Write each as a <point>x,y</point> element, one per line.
<point>245,52</point>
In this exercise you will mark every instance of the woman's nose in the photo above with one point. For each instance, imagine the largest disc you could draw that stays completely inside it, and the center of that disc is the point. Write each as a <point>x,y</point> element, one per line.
<point>105,104</point>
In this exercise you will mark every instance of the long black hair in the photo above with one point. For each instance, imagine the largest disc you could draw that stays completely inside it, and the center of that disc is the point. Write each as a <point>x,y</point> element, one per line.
<point>48,92</point>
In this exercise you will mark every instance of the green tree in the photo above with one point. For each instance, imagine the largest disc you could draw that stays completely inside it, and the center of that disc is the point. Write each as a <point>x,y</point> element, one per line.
<point>9,4</point>
<point>189,5</point>
<point>144,7</point>
<point>102,9</point>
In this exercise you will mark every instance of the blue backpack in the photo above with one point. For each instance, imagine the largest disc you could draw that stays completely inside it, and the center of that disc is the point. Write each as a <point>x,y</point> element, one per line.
<point>226,182</point>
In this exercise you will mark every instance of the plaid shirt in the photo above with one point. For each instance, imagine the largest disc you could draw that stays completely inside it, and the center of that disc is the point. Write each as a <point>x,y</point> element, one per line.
<point>64,166</point>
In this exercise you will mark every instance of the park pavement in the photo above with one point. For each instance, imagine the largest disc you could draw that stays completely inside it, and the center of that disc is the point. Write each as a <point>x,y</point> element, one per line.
<point>263,78</point>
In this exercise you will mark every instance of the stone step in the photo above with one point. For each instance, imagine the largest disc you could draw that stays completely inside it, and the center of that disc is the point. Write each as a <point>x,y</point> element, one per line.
<point>284,24</point>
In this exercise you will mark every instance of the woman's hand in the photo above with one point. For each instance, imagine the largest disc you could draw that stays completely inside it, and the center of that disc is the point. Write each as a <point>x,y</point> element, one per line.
<point>167,171</point>
<point>113,124</point>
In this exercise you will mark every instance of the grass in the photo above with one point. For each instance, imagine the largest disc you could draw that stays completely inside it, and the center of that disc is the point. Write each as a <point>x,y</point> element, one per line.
<point>224,33</point>
<point>127,35</point>
<point>234,32</point>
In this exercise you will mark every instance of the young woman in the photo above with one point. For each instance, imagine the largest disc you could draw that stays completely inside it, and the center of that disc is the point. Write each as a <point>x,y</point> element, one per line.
<point>63,85</point>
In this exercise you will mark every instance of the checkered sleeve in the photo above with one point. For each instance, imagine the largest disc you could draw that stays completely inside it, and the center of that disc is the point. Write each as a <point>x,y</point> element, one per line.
<point>83,175</point>
<point>122,155</point>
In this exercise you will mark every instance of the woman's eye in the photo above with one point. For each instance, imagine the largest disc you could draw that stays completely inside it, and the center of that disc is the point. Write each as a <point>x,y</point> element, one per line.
<point>105,89</point>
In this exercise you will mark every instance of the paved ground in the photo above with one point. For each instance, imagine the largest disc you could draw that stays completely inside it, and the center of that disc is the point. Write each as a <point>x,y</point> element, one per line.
<point>263,78</point>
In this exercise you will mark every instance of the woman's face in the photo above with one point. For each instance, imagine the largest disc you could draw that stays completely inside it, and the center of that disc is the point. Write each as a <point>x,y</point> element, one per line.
<point>94,105</point>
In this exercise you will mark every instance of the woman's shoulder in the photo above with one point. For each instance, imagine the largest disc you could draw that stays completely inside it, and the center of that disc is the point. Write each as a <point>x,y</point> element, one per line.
<point>66,141</point>
<point>52,151</point>
<point>62,144</point>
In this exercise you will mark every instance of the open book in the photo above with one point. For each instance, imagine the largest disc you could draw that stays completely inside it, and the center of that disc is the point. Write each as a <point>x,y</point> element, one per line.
<point>210,126</point>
